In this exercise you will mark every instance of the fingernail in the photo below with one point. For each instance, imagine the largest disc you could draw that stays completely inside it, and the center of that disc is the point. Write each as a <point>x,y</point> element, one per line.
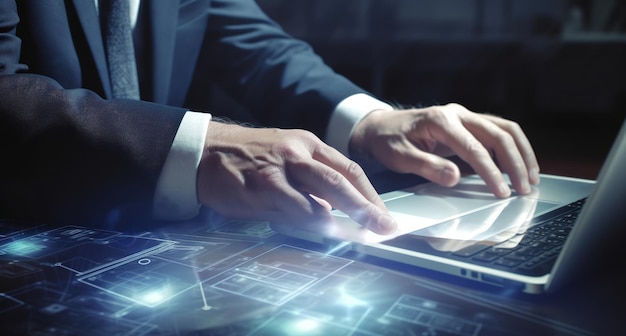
<point>534,175</point>
<point>447,177</point>
<point>386,224</point>
<point>504,189</point>
<point>525,188</point>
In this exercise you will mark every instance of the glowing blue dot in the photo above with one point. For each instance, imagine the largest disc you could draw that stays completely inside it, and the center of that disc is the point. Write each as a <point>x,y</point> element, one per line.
<point>22,248</point>
<point>305,325</point>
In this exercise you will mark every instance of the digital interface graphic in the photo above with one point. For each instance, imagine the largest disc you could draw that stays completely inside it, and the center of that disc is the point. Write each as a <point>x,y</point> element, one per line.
<point>239,278</point>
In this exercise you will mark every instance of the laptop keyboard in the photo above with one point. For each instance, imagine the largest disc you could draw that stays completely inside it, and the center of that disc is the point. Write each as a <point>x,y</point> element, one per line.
<point>532,252</point>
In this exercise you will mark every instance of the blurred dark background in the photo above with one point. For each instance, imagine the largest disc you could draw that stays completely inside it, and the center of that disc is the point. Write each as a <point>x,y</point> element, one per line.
<point>558,67</point>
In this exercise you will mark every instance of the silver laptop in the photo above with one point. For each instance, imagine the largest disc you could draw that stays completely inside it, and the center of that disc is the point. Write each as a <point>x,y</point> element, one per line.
<point>536,242</point>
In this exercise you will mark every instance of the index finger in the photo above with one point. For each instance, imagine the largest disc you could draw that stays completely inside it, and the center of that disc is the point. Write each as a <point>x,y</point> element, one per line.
<point>342,183</point>
<point>523,145</point>
<point>472,151</point>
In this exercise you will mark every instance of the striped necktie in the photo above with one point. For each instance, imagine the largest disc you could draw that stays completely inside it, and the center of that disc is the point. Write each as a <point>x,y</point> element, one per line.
<point>118,40</point>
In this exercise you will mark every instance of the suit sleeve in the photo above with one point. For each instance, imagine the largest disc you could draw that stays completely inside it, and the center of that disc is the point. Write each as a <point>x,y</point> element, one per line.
<point>279,78</point>
<point>69,156</point>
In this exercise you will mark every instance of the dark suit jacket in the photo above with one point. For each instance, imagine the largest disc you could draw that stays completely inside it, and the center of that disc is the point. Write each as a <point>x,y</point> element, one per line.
<point>70,154</point>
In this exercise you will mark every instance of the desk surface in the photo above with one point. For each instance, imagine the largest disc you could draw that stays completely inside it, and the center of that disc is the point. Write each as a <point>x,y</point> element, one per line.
<point>241,278</point>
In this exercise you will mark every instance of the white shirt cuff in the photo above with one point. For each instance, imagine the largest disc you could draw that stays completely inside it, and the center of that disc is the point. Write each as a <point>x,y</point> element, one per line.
<point>347,115</point>
<point>176,197</point>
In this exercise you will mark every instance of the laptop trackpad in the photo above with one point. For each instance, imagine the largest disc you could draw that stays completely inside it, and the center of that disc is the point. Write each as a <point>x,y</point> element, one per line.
<point>441,203</point>
<point>467,211</point>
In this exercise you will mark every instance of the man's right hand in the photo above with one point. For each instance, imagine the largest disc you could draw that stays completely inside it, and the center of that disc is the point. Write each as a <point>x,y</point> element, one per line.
<point>287,177</point>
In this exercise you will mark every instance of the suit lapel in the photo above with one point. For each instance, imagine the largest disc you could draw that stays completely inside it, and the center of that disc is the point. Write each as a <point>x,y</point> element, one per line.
<point>88,17</point>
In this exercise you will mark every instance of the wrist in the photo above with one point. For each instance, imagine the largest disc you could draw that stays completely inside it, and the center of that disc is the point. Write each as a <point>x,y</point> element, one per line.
<point>360,143</point>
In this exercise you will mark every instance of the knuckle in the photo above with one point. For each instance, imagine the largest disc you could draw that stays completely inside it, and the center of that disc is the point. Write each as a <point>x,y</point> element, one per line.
<point>454,106</point>
<point>476,149</point>
<point>302,135</point>
<point>438,115</point>
<point>294,143</point>
<point>512,124</point>
<point>272,175</point>
<point>333,178</point>
<point>354,169</point>
<point>457,109</point>
<point>285,149</point>
<point>509,125</point>
<point>503,138</point>
<point>518,167</point>
<point>514,127</point>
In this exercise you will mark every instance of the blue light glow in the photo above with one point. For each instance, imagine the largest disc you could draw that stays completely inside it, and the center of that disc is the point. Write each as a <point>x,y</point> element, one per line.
<point>154,297</point>
<point>22,248</point>
<point>305,325</point>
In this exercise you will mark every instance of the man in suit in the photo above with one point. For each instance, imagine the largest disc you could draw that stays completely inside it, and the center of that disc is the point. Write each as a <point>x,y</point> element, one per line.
<point>72,152</point>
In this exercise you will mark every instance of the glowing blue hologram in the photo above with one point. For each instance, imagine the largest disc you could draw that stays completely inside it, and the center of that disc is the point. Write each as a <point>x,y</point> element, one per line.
<point>143,261</point>
<point>338,247</point>
<point>252,229</point>
<point>432,315</point>
<point>22,248</point>
<point>291,323</point>
<point>81,250</point>
<point>53,309</point>
<point>12,231</point>
<point>190,254</point>
<point>305,325</point>
<point>361,281</point>
<point>84,281</point>
<point>53,313</point>
<point>73,322</point>
<point>102,303</point>
<point>154,296</point>
<point>152,284</point>
<point>205,304</point>
<point>15,269</point>
<point>279,274</point>
<point>78,265</point>
<point>255,289</point>
<point>121,249</point>
<point>7,303</point>
<point>350,301</point>
<point>202,253</point>
<point>329,302</point>
<point>152,280</point>
<point>77,233</point>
